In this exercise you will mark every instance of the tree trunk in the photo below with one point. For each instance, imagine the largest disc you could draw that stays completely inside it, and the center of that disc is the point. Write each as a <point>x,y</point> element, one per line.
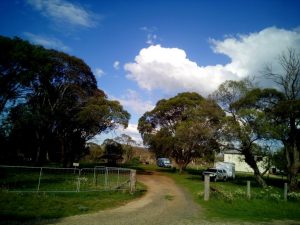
<point>182,165</point>
<point>292,156</point>
<point>250,160</point>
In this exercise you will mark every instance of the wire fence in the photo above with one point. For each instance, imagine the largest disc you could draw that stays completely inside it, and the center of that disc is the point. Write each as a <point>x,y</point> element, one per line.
<point>48,179</point>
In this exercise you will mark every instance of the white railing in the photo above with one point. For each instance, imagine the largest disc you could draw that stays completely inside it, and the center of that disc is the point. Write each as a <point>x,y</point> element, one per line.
<point>50,179</point>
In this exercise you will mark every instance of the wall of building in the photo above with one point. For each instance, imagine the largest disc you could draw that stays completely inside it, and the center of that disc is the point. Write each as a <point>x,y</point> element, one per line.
<point>240,164</point>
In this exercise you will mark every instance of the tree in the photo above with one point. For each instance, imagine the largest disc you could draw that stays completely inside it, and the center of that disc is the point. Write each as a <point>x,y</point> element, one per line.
<point>127,143</point>
<point>286,113</point>
<point>244,127</point>
<point>112,151</point>
<point>20,62</point>
<point>54,105</point>
<point>182,127</point>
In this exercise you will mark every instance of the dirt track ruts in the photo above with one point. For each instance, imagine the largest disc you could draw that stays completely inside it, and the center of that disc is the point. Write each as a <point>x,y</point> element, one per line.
<point>164,204</point>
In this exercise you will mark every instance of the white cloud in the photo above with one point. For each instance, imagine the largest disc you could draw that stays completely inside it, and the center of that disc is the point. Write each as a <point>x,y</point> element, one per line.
<point>170,70</point>
<point>133,101</point>
<point>151,36</point>
<point>99,72</point>
<point>116,65</point>
<point>47,42</point>
<point>62,11</point>
<point>249,54</point>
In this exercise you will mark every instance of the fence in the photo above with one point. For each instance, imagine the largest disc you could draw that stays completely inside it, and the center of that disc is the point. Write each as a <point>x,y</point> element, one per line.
<point>48,179</point>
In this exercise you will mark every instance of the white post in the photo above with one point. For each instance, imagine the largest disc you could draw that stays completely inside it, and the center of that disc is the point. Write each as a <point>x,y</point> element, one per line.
<point>206,187</point>
<point>248,190</point>
<point>285,191</point>
<point>38,188</point>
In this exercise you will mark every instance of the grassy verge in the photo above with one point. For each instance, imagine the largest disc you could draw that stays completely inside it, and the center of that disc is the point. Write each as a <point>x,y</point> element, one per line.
<point>17,207</point>
<point>228,200</point>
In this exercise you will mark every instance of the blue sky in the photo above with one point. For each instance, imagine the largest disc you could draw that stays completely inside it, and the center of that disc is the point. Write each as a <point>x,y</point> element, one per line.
<point>145,50</point>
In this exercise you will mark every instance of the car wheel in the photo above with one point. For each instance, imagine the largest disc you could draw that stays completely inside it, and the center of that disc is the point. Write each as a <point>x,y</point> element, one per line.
<point>225,179</point>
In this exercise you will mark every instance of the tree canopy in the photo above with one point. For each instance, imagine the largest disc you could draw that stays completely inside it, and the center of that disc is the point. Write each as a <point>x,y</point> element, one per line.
<point>182,127</point>
<point>50,104</point>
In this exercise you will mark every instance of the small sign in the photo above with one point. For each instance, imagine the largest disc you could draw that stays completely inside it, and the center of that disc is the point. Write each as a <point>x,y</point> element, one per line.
<point>75,164</point>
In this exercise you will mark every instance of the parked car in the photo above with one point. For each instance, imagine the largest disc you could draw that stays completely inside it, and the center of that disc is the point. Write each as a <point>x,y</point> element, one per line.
<point>228,166</point>
<point>215,174</point>
<point>164,162</point>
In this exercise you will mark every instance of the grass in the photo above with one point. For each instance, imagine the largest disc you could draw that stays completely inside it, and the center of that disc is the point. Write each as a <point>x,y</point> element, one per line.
<point>21,207</point>
<point>228,200</point>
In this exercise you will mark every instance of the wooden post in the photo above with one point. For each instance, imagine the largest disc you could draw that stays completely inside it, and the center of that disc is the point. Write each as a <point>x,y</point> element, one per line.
<point>206,187</point>
<point>285,191</point>
<point>248,190</point>
<point>132,180</point>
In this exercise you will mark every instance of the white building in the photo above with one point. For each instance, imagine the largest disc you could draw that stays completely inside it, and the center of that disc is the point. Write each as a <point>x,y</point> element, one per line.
<point>239,160</point>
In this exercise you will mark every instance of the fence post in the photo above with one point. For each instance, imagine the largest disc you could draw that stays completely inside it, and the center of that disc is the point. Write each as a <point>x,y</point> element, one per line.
<point>106,178</point>
<point>248,189</point>
<point>118,177</point>
<point>38,188</point>
<point>132,180</point>
<point>285,190</point>
<point>206,187</point>
<point>95,180</point>
<point>78,181</point>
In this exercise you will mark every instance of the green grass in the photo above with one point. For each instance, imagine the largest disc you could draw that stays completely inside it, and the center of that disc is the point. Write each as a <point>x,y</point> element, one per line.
<point>228,201</point>
<point>21,207</point>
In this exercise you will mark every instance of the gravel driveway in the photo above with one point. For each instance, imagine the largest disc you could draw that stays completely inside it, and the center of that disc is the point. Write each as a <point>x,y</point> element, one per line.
<point>163,204</point>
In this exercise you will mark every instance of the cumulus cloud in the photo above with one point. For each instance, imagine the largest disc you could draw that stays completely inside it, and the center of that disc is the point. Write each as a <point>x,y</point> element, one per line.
<point>62,11</point>
<point>170,70</point>
<point>47,42</point>
<point>99,72</point>
<point>116,65</point>
<point>133,101</point>
<point>250,53</point>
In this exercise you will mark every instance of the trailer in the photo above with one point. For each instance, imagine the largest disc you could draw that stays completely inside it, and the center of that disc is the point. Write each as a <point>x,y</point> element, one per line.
<point>228,166</point>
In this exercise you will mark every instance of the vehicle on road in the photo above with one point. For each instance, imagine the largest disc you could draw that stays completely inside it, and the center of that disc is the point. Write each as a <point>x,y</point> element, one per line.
<point>215,174</point>
<point>164,162</point>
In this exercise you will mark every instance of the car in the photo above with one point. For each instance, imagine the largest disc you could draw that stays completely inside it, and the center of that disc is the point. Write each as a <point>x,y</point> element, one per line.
<point>164,162</point>
<point>215,174</point>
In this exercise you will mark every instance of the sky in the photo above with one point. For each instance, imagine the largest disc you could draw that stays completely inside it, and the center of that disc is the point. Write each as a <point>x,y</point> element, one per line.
<point>144,50</point>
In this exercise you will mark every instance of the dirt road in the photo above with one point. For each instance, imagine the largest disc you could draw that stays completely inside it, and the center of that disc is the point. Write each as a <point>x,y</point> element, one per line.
<point>164,203</point>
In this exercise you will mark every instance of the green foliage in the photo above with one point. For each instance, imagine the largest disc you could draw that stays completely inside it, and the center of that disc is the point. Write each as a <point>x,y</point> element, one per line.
<point>245,127</point>
<point>113,151</point>
<point>182,127</point>
<point>95,152</point>
<point>50,104</point>
<point>127,145</point>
